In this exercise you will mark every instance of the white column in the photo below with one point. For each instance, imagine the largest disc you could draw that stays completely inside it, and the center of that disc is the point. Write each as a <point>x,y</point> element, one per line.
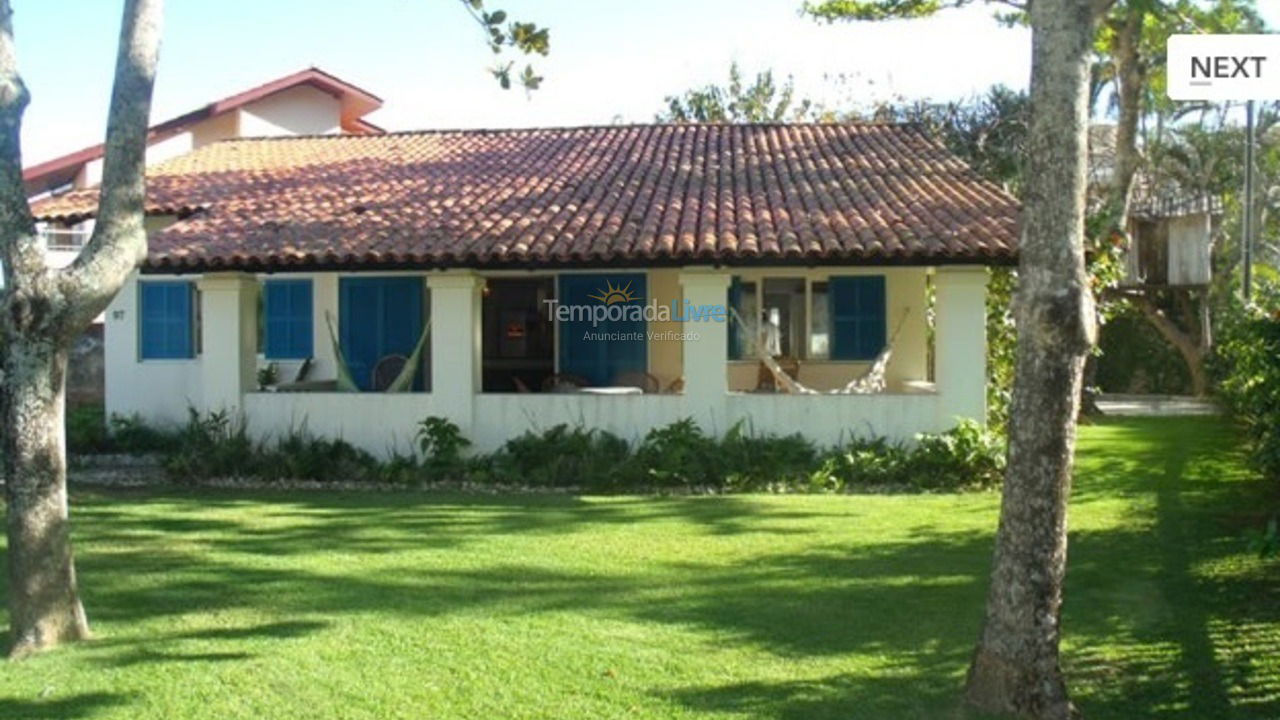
<point>229,337</point>
<point>705,348</point>
<point>960,363</point>
<point>324,306</point>
<point>455,345</point>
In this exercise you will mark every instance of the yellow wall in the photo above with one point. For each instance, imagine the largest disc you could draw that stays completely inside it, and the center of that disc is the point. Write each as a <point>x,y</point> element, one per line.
<point>905,300</point>
<point>665,354</point>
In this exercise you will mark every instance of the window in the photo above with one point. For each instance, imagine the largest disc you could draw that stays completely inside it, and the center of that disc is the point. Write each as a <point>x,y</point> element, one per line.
<point>166,320</point>
<point>820,325</point>
<point>857,307</point>
<point>773,312</point>
<point>288,319</point>
<point>841,318</point>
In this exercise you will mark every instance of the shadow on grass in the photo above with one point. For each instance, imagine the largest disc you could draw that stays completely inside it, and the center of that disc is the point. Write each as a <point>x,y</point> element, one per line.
<point>1150,635</point>
<point>77,706</point>
<point>927,696</point>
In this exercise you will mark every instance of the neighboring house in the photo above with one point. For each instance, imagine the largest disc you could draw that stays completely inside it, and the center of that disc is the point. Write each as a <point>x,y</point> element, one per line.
<point>832,240</point>
<point>310,102</point>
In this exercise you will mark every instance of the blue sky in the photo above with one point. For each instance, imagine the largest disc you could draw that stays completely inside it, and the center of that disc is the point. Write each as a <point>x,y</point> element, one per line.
<point>610,60</point>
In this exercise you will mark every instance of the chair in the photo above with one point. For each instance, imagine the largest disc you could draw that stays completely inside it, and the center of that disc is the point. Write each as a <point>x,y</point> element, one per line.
<point>647,382</point>
<point>563,382</point>
<point>386,370</point>
<point>767,381</point>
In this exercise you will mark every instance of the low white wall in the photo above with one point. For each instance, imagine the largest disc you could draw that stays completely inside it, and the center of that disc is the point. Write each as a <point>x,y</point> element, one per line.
<point>381,423</point>
<point>499,417</point>
<point>377,422</point>
<point>832,419</point>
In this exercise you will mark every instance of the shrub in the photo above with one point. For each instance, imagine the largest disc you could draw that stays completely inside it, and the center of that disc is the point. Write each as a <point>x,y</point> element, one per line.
<point>1246,366</point>
<point>965,456</point>
<point>863,462</point>
<point>212,445</point>
<point>558,457</point>
<point>87,431</point>
<point>299,455</point>
<point>745,461</point>
<point>441,444</point>
<point>679,454</point>
<point>129,434</point>
<point>968,456</point>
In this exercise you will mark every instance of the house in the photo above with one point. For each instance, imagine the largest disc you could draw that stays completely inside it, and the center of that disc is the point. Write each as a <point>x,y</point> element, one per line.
<point>304,103</point>
<point>619,277</point>
<point>309,102</point>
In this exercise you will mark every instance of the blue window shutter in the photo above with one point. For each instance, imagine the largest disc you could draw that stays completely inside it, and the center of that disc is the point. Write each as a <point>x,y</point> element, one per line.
<point>379,316</point>
<point>287,306</point>
<point>857,316</point>
<point>166,320</point>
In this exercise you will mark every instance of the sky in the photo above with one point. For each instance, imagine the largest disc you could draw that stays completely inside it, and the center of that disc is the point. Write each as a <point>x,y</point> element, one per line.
<point>611,60</point>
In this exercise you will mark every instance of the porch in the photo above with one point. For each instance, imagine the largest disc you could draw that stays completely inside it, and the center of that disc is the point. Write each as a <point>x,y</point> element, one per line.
<point>503,356</point>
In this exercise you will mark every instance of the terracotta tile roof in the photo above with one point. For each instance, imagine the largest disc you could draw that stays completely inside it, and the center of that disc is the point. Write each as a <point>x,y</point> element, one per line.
<point>356,103</point>
<point>737,194</point>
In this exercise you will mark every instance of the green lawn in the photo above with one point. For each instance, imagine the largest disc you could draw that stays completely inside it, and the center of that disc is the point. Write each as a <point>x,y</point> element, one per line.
<point>252,605</point>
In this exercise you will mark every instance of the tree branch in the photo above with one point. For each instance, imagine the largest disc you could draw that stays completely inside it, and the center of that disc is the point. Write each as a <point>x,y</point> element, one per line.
<point>20,250</point>
<point>1182,341</point>
<point>119,241</point>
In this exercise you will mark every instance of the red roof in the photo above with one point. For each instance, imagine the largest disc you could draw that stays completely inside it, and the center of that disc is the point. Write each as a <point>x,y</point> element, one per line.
<point>614,195</point>
<point>356,103</point>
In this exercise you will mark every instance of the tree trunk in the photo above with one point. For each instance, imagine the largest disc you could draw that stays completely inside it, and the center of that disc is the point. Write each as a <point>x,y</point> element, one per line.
<point>1130,79</point>
<point>42,311</point>
<point>1015,668</point>
<point>44,607</point>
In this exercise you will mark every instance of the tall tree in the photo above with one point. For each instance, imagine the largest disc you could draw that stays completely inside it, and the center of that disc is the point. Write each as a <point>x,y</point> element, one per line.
<point>1129,53</point>
<point>43,310</point>
<point>1015,667</point>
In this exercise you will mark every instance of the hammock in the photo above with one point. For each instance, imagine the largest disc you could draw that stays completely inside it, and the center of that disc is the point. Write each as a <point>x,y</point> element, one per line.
<point>402,382</point>
<point>870,381</point>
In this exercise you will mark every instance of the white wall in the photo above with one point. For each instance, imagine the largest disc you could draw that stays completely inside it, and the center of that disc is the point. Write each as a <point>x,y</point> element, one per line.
<point>381,423</point>
<point>302,110</point>
<point>160,391</point>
